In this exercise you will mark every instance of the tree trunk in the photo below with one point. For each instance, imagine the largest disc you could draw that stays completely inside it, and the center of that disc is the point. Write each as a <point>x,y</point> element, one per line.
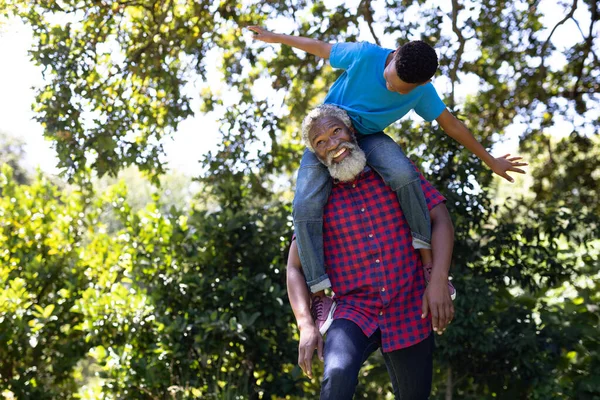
<point>449,384</point>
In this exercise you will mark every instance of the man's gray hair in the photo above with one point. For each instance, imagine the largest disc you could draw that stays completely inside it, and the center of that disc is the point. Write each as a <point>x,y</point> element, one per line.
<point>324,110</point>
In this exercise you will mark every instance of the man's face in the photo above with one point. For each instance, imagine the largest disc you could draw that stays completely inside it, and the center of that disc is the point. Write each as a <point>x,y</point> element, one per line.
<point>328,137</point>
<point>394,84</point>
<point>336,147</point>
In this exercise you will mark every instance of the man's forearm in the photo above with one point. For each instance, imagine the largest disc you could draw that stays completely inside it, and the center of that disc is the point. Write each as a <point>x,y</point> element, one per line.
<point>436,299</point>
<point>310,338</point>
<point>312,46</point>
<point>442,242</point>
<point>297,290</point>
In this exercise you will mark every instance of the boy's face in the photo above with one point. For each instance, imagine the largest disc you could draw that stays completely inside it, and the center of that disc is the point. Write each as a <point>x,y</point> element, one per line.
<point>394,83</point>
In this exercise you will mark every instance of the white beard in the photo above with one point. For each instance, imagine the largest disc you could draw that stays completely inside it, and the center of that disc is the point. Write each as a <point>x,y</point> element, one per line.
<point>349,168</point>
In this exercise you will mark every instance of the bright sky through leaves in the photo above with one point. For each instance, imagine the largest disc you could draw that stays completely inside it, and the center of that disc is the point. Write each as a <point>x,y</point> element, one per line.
<point>199,134</point>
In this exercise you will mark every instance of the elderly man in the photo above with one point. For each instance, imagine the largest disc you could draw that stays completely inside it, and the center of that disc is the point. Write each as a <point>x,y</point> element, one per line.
<point>382,297</point>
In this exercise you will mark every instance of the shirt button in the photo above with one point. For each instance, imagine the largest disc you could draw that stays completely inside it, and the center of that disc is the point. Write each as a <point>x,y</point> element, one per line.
<point>380,312</point>
<point>370,235</point>
<point>353,185</point>
<point>362,210</point>
<point>377,261</point>
<point>383,289</point>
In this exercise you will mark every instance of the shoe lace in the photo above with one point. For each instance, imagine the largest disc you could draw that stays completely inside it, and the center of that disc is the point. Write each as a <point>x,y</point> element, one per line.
<point>428,268</point>
<point>317,307</point>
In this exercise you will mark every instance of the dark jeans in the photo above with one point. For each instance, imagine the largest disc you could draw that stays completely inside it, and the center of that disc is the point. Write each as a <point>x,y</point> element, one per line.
<point>347,348</point>
<point>314,185</point>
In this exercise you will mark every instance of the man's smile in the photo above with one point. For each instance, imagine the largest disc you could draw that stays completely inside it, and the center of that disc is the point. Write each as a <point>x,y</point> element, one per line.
<point>343,152</point>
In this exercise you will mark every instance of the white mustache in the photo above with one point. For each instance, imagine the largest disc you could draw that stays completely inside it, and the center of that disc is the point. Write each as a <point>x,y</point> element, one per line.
<point>349,168</point>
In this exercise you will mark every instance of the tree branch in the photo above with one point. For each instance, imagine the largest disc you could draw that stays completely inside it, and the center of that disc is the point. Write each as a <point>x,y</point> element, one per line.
<point>547,42</point>
<point>459,53</point>
<point>368,16</point>
<point>449,384</point>
<point>548,144</point>
<point>586,49</point>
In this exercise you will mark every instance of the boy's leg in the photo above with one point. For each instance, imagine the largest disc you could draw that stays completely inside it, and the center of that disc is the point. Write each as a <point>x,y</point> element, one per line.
<point>411,370</point>
<point>346,349</point>
<point>387,158</point>
<point>312,190</point>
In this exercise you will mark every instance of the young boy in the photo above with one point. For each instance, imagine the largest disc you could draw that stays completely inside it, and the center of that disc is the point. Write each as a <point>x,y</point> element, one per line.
<point>379,86</point>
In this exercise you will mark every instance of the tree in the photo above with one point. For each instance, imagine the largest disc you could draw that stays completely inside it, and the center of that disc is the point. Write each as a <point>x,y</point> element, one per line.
<point>187,304</point>
<point>12,152</point>
<point>117,74</point>
<point>40,234</point>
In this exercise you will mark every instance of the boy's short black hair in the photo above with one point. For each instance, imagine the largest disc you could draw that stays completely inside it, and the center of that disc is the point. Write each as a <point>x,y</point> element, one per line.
<point>416,62</point>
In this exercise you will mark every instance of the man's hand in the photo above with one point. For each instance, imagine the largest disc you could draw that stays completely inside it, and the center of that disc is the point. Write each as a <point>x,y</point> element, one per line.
<point>437,301</point>
<point>263,35</point>
<point>502,165</point>
<point>310,339</point>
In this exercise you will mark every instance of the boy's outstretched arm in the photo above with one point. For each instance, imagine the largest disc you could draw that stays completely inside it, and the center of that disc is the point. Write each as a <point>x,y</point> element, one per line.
<point>312,46</point>
<point>459,132</point>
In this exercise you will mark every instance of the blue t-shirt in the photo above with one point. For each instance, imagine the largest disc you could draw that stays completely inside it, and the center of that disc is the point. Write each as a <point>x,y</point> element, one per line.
<point>362,92</point>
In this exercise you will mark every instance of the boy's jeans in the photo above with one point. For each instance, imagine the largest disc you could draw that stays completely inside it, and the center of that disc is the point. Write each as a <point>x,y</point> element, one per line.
<point>314,185</point>
<point>347,348</point>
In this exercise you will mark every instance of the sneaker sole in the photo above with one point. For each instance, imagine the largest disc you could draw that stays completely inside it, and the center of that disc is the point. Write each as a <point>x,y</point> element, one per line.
<point>329,319</point>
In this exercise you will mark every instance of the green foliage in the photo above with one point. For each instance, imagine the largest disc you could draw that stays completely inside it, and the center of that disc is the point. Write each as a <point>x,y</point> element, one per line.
<point>187,304</point>
<point>108,300</point>
<point>40,234</point>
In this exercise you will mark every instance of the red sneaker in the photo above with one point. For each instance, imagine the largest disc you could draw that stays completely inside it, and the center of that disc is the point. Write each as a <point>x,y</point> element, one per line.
<point>322,309</point>
<point>427,268</point>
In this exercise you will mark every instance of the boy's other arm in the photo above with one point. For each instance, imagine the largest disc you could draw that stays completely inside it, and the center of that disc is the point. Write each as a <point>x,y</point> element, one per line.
<point>310,338</point>
<point>312,46</point>
<point>459,132</point>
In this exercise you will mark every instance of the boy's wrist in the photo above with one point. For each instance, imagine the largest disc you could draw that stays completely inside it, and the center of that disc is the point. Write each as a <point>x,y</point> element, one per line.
<point>488,159</point>
<point>279,38</point>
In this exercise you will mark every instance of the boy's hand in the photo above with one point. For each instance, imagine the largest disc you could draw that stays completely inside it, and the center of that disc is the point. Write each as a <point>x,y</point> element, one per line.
<point>263,35</point>
<point>502,165</point>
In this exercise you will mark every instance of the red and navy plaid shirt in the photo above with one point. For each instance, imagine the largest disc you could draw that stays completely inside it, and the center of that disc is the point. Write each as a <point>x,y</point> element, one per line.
<point>374,271</point>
